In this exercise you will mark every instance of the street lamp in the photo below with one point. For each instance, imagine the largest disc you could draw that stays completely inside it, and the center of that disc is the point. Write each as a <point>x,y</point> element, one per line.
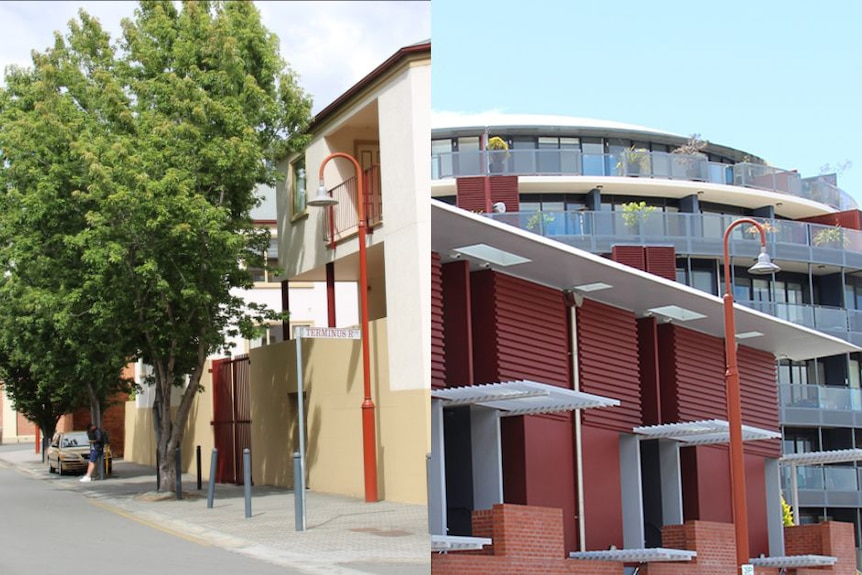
<point>763,266</point>
<point>369,442</point>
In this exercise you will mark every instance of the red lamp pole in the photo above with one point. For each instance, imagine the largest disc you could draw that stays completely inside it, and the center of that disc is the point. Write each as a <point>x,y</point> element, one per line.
<point>369,442</point>
<point>734,407</point>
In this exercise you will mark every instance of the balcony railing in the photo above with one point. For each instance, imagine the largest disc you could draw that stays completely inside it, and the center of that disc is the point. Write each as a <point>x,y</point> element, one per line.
<point>830,478</point>
<point>820,397</point>
<point>644,165</point>
<point>341,219</point>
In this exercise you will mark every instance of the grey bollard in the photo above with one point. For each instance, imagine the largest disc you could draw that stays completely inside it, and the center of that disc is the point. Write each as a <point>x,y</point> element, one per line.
<point>211,489</point>
<point>246,478</point>
<point>198,464</point>
<point>179,474</point>
<point>298,486</point>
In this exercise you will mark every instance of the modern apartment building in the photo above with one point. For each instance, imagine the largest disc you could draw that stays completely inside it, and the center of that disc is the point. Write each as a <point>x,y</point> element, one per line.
<point>660,202</point>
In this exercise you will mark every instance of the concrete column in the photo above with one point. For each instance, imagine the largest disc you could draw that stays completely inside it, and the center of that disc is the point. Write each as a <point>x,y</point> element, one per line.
<point>774,513</point>
<point>437,473</point>
<point>632,496</point>
<point>487,457</point>
<point>671,482</point>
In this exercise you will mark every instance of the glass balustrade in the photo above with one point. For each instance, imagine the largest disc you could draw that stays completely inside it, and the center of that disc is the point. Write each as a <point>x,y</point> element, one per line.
<point>637,163</point>
<point>820,397</point>
<point>815,477</point>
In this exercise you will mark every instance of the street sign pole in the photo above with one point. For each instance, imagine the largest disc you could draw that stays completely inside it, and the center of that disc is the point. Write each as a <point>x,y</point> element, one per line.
<point>299,482</point>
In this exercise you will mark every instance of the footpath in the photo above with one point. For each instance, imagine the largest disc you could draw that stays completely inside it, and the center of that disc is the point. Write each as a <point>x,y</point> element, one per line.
<point>343,536</point>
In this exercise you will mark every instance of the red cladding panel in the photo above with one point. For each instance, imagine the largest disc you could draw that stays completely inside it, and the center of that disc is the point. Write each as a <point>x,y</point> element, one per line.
<point>633,256</point>
<point>649,370</point>
<point>457,324</point>
<point>850,219</point>
<point>608,357</point>
<point>661,261</point>
<point>438,357</point>
<point>505,189</point>
<point>519,330</point>
<point>759,396</point>
<point>471,193</point>
<point>602,504</point>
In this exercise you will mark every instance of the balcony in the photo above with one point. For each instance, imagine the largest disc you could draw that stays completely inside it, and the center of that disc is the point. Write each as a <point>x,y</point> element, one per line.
<point>820,405</point>
<point>825,486</point>
<point>693,234</point>
<point>341,219</point>
<point>661,165</point>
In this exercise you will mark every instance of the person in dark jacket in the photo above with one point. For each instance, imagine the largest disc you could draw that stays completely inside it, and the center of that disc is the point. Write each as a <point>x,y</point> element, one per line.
<point>97,447</point>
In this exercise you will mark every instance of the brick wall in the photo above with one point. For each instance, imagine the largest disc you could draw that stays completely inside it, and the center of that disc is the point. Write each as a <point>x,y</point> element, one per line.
<point>829,538</point>
<point>527,540</point>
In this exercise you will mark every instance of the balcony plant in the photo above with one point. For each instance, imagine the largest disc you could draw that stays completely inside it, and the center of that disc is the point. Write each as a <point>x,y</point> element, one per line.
<point>498,153</point>
<point>539,220</point>
<point>635,213</point>
<point>690,158</point>
<point>633,161</point>
<point>833,237</point>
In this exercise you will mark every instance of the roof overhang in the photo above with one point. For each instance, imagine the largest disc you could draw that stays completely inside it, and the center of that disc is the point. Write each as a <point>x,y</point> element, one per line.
<point>706,432</point>
<point>794,561</point>
<point>821,457</point>
<point>647,555</point>
<point>521,398</point>
<point>560,266</point>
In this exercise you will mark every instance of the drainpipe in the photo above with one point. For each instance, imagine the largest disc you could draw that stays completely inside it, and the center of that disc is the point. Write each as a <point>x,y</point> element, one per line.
<point>574,301</point>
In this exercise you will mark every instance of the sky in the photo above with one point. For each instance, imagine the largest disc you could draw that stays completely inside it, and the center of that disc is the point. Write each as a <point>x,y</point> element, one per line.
<point>331,45</point>
<point>779,79</point>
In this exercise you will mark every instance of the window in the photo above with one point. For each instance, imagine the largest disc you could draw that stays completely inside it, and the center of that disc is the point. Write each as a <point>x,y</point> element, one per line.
<point>268,275</point>
<point>441,159</point>
<point>298,188</point>
<point>273,334</point>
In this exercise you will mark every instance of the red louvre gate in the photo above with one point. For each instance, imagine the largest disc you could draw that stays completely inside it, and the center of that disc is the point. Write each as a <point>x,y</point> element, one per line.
<point>232,416</point>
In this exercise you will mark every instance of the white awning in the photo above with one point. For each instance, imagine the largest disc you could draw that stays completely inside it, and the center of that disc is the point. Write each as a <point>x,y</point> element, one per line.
<point>707,432</point>
<point>443,543</point>
<point>647,555</point>
<point>818,457</point>
<point>793,561</point>
<point>521,397</point>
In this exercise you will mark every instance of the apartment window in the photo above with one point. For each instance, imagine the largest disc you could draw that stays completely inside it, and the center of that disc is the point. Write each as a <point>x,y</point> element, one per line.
<point>298,188</point>
<point>469,158</point>
<point>441,154</point>
<point>273,334</point>
<point>268,275</point>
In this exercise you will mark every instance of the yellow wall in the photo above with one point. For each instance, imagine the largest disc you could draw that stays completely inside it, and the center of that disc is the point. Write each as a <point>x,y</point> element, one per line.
<point>334,392</point>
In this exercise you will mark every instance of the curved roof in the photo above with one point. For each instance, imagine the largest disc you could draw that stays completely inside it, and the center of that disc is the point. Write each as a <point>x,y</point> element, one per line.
<point>494,118</point>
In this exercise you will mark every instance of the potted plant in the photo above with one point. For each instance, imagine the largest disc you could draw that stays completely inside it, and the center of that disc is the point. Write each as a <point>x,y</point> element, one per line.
<point>539,220</point>
<point>634,213</point>
<point>833,237</point>
<point>690,159</point>
<point>633,161</point>
<point>498,153</point>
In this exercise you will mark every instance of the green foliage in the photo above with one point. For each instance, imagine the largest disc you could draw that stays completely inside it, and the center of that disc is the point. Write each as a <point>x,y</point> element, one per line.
<point>786,513</point>
<point>538,220</point>
<point>129,176</point>
<point>633,160</point>
<point>634,213</point>
<point>834,237</point>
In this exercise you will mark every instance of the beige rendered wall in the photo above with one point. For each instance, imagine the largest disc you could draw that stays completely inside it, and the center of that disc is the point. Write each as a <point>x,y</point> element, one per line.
<point>334,391</point>
<point>140,443</point>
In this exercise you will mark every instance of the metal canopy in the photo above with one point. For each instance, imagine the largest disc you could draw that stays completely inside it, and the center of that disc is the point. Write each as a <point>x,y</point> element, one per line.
<point>521,397</point>
<point>560,266</point>
<point>792,561</point>
<point>647,555</point>
<point>706,432</point>
<point>819,457</point>
<point>443,543</point>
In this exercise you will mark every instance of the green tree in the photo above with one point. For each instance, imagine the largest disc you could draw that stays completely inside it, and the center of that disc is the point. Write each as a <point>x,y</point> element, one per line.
<point>166,135</point>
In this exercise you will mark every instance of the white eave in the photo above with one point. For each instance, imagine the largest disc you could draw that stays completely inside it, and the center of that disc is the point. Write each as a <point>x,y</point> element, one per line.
<point>521,398</point>
<point>821,457</point>
<point>560,266</point>
<point>794,561</point>
<point>648,555</point>
<point>706,432</point>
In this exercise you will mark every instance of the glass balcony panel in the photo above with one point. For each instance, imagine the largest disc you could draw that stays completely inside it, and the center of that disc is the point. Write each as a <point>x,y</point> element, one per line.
<point>837,398</point>
<point>467,163</point>
<point>796,395</point>
<point>830,319</point>
<point>594,164</point>
<point>809,477</point>
<point>717,173</point>
<point>442,165</point>
<point>840,478</point>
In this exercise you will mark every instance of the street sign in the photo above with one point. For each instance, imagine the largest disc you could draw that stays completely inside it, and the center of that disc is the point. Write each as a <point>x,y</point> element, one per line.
<point>748,569</point>
<point>330,333</point>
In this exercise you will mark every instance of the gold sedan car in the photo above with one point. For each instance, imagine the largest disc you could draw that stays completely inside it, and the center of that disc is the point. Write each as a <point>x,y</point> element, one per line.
<point>70,451</point>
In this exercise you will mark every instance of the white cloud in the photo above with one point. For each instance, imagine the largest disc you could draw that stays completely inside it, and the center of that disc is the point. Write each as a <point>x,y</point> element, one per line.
<point>331,45</point>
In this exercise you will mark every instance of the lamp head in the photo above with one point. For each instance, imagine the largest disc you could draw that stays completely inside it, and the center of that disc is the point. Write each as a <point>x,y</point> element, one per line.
<point>764,265</point>
<point>322,199</point>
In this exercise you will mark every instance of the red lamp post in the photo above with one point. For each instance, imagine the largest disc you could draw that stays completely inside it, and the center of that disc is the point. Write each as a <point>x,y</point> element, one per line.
<point>763,266</point>
<point>369,442</point>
